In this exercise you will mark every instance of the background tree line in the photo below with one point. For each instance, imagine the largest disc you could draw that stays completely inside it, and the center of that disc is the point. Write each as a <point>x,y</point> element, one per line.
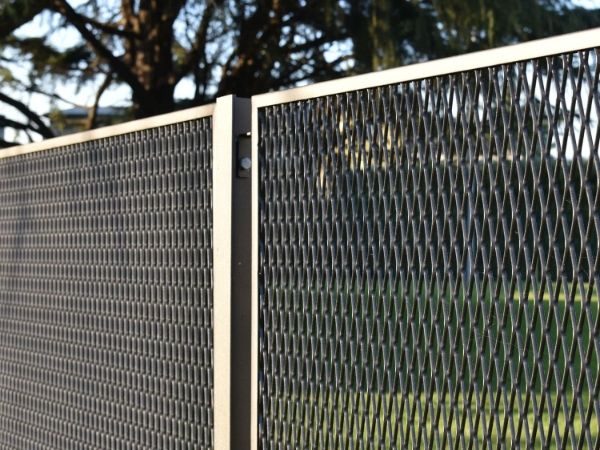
<point>244,47</point>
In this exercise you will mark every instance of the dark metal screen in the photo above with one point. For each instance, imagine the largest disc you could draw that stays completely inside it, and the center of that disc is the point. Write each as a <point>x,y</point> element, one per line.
<point>106,295</point>
<point>429,268</point>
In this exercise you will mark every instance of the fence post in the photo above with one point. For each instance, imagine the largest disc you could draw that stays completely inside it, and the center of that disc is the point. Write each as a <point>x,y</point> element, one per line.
<point>231,305</point>
<point>254,263</point>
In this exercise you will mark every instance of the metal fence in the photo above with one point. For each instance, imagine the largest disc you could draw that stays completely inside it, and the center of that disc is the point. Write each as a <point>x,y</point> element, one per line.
<point>110,334</point>
<point>412,262</point>
<point>106,292</point>
<point>428,260</point>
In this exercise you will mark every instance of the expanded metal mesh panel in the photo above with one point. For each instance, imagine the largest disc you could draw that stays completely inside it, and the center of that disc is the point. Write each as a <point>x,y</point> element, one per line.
<point>106,294</point>
<point>429,268</point>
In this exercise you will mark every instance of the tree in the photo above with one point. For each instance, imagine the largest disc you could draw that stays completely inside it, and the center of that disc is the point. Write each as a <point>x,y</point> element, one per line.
<point>389,33</point>
<point>246,46</point>
<point>150,46</point>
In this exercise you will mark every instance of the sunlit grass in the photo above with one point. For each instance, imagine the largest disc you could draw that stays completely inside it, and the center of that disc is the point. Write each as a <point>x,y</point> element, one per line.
<point>355,419</point>
<point>494,369</point>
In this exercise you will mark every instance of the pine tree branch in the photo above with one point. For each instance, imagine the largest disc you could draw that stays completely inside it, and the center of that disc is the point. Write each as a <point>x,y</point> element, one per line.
<point>93,113</point>
<point>6,122</point>
<point>13,14</point>
<point>40,127</point>
<point>110,28</point>
<point>34,89</point>
<point>198,50</point>
<point>6,144</point>
<point>119,67</point>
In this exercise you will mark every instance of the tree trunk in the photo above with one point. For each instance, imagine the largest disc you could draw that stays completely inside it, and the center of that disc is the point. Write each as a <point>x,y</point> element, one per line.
<point>151,56</point>
<point>158,100</point>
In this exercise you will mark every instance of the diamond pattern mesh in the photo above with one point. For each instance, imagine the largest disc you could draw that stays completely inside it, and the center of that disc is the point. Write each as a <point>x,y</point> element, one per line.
<point>106,294</point>
<point>429,268</point>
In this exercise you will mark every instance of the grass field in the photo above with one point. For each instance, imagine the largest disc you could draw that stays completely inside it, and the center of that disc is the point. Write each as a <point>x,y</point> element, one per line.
<point>491,368</point>
<point>361,420</point>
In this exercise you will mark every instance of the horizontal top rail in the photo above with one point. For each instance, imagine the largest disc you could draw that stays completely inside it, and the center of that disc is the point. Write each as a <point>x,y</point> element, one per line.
<point>477,60</point>
<point>109,131</point>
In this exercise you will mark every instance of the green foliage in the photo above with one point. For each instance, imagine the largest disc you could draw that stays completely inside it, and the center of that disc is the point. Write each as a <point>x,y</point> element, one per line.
<point>15,13</point>
<point>248,46</point>
<point>46,59</point>
<point>387,33</point>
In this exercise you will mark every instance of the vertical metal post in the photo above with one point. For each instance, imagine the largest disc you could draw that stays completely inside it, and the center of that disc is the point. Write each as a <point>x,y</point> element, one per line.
<point>231,237</point>
<point>254,283</point>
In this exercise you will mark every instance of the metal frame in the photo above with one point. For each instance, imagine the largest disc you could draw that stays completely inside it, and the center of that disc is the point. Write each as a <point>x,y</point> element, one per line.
<point>113,130</point>
<point>571,42</point>
<point>231,275</point>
